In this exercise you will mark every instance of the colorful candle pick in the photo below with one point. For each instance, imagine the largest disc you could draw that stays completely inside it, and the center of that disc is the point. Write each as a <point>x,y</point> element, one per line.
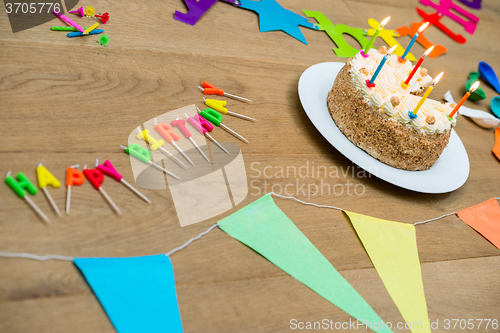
<point>96,178</point>
<point>216,118</point>
<point>419,31</point>
<point>371,82</point>
<point>79,12</point>
<point>203,126</point>
<point>413,114</point>
<point>73,177</point>
<point>209,89</point>
<point>144,156</point>
<point>406,84</point>
<point>168,133</point>
<point>157,144</point>
<point>220,106</point>
<point>109,170</point>
<point>89,29</point>
<point>45,178</point>
<point>20,186</point>
<point>67,20</point>
<point>104,17</point>
<point>462,101</point>
<point>89,11</point>
<point>375,35</point>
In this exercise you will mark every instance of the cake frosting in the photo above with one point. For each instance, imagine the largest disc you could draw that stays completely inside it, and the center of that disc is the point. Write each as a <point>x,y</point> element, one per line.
<point>388,84</point>
<point>376,119</point>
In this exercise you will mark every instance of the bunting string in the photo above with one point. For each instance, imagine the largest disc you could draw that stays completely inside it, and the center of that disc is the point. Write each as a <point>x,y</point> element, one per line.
<point>168,254</point>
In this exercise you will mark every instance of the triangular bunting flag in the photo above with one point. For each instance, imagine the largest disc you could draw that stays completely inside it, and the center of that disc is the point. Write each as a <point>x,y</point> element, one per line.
<point>392,248</point>
<point>138,294</point>
<point>485,219</point>
<point>267,230</point>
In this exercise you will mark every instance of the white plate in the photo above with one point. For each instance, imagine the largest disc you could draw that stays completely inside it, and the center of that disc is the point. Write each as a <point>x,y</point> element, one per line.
<point>448,173</point>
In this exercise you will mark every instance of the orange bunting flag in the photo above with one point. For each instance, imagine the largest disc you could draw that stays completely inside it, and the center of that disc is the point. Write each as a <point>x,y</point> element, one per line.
<point>485,219</point>
<point>496,147</point>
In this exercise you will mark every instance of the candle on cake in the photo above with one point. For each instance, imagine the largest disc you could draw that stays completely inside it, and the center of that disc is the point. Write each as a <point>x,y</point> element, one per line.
<point>462,101</point>
<point>371,83</point>
<point>413,114</point>
<point>419,31</point>
<point>375,35</point>
<point>406,84</point>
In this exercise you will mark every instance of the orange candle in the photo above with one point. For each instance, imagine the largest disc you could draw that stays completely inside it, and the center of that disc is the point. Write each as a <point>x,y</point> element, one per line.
<point>462,101</point>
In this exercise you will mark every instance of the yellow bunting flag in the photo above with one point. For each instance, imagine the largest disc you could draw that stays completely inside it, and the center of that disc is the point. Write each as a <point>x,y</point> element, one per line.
<point>392,248</point>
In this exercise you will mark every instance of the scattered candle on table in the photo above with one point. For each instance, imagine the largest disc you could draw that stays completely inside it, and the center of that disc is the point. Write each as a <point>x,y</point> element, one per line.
<point>143,155</point>
<point>157,144</point>
<point>216,118</point>
<point>203,126</point>
<point>168,133</point>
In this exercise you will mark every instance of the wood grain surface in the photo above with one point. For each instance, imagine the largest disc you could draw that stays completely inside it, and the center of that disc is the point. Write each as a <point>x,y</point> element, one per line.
<point>69,101</point>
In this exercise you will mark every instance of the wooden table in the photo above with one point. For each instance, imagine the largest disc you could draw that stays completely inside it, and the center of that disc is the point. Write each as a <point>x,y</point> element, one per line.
<point>70,101</point>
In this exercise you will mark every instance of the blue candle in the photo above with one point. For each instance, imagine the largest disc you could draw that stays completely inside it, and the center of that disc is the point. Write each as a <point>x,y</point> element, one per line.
<point>422,27</point>
<point>384,59</point>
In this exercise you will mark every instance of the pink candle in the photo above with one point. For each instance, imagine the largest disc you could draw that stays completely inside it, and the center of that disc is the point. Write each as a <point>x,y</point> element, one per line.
<point>67,20</point>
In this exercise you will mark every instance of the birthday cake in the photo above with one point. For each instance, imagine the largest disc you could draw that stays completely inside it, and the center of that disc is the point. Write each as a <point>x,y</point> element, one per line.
<point>377,119</point>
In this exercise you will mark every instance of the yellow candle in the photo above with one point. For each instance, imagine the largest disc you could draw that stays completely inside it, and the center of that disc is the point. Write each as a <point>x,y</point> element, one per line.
<point>427,93</point>
<point>89,29</point>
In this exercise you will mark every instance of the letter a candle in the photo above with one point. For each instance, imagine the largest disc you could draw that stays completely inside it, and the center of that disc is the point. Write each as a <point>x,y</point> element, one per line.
<point>413,114</point>
<point>406,84</point>
<point>45,178</point>
<point>462,101</point>
<point>375,35</point>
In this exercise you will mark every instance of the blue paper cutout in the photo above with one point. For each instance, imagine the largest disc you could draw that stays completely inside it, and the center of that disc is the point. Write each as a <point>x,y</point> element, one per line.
<point>273,17</point>
<point>138,293</point>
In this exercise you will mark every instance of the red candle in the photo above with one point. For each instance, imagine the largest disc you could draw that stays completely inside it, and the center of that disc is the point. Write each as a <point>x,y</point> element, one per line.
<point>417,66</point>
<point>462,101</point>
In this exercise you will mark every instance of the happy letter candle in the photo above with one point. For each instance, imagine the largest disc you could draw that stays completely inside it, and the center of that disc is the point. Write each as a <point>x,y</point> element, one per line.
<point>417,66</point>
<point>462,101</point>
<point>371,83</point>
<point>419,31</point>
<point>375,35</point>
<point>413,114</point>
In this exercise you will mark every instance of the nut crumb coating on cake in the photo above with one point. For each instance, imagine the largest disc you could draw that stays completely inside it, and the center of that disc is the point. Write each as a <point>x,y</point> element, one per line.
<point>380,135</point>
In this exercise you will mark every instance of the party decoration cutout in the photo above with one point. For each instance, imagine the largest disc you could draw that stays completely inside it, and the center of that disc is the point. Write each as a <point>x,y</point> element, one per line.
<point>445,7</point>
<point>266,229</point>
<point>335,32</point>
<point>435,19</point>
<point>196,9</point>
<point>137,293</point>
<point>422,40</point>
<point>477,94</point>
<point>496,147</point>
<point>273,17</point>
<point>392,248</point>
<point>474,4</point>
<point>484,217</point>
<point>388,37</point>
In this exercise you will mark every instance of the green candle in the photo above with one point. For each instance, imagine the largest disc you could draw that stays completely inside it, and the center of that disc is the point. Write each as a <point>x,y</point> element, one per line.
<point>54,28</point>
<point>370,44</point>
